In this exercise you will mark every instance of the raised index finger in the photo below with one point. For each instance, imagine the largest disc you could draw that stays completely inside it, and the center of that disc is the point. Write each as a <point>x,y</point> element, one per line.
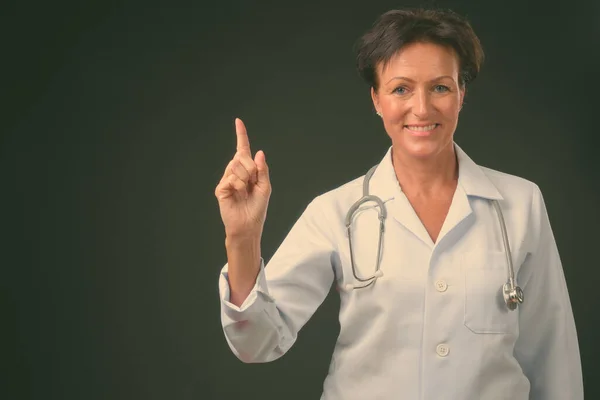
<point>243,144</point>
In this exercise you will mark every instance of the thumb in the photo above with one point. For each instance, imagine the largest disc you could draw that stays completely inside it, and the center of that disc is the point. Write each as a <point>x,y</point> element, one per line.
<point>261,166</point>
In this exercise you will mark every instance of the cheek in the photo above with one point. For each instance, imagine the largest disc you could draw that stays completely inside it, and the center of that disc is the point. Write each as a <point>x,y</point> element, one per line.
<point>449,109</point>
<point>394,110</point>
<point>451,112</point>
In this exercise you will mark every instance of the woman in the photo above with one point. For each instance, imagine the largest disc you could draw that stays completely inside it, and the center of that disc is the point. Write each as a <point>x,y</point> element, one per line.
<point>423,312</point>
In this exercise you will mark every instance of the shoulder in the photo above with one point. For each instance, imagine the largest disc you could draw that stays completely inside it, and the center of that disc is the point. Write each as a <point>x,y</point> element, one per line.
<point>342,195</point>
<point>512,187</point>
<point>523,203</point>
<point>330,207</point>
<point>523,208</point>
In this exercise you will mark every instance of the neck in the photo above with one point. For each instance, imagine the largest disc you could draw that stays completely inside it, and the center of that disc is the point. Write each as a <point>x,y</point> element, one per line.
<point>425,177</point>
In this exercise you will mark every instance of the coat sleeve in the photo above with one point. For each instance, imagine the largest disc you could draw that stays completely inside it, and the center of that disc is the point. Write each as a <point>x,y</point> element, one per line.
<point>287,292</point>
<point>547,347</point>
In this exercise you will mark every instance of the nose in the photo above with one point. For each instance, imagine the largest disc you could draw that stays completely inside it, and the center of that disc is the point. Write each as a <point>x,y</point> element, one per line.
<point>421,105</point>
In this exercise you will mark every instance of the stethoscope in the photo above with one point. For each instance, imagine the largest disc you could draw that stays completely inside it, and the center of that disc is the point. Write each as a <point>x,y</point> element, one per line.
<point>513,294</point>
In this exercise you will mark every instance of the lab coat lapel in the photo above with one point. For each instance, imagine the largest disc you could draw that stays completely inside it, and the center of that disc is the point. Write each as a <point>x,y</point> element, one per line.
<point>460,209</point>
<point>384,184</point>
<point>405,214</point>
<point>472,182</point>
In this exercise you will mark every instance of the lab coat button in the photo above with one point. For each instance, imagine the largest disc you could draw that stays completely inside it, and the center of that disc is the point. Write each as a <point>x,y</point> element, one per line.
<point>442,350</point>
<point>441,285</point>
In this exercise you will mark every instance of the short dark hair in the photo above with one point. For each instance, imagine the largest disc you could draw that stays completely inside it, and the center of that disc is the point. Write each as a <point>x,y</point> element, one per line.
<point>397,28</point>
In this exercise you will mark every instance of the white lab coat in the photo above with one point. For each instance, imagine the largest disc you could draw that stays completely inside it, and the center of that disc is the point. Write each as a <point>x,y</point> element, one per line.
<point>435,325</point>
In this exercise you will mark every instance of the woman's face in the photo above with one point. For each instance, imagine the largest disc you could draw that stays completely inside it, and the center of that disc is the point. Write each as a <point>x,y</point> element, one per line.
<point>419,99</point>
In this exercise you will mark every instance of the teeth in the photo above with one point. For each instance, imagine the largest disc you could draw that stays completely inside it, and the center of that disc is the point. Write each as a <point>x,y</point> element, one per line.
<point>422,128</point>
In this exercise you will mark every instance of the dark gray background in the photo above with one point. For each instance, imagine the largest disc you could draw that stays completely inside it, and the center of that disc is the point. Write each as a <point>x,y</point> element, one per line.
<point>116,127</point>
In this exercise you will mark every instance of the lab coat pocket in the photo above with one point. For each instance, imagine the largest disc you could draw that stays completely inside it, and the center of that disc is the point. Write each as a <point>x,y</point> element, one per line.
<point>485,273</point>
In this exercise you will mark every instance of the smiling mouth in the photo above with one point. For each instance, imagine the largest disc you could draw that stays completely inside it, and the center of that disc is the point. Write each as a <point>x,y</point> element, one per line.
<point>421,128</point>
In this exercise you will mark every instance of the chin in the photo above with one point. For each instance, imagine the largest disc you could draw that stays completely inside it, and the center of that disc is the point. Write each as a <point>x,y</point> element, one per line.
<point>420,148</point>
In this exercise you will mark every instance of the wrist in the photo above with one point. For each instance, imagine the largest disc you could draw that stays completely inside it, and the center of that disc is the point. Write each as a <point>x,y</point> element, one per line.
<point>242,241</point>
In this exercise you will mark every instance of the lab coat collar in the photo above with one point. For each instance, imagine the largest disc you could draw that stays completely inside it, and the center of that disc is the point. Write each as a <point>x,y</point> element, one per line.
<point>471,178</point>
<point>472,181</point>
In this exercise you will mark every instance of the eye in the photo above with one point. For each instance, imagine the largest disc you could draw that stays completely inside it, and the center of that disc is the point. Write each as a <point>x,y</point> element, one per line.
<point>400,90</point>
<point>441,88</point>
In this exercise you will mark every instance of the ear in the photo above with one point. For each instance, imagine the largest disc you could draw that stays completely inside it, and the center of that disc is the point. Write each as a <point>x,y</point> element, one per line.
<point>463,91</point>
<point>375,99</point>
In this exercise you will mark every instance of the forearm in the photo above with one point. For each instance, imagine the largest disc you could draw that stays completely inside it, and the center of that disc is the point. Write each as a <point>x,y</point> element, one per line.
<point>243,257</point>
<point>255,331</point>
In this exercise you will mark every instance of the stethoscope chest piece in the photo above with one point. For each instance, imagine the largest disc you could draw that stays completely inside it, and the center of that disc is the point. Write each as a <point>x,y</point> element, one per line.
<point>513,295</point>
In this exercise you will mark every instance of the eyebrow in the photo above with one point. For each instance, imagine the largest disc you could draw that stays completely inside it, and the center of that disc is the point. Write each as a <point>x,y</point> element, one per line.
<point>412,80</point>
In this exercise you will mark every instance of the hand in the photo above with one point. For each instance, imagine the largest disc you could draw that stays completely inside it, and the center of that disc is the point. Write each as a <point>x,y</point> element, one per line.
<point>244,190</point>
